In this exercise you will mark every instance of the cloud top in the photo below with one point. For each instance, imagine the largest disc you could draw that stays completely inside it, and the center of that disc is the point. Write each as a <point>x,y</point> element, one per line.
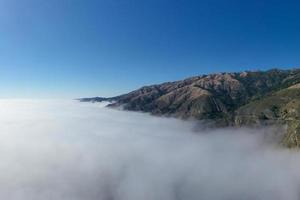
<point>66,150</point>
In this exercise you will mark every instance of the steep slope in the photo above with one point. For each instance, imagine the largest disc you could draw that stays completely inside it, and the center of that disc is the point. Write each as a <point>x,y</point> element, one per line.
<point>208,96</point>
<point>246,98</point>
<point>279,107</point>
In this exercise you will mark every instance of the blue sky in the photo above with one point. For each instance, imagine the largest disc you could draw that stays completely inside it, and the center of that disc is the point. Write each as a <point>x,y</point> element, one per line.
<point>74,48</point>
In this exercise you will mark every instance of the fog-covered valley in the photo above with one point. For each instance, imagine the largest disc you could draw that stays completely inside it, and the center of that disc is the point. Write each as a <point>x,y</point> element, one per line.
<point>66,150</point>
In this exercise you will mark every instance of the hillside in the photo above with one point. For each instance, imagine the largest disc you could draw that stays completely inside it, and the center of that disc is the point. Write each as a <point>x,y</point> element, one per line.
<point>228,99</point>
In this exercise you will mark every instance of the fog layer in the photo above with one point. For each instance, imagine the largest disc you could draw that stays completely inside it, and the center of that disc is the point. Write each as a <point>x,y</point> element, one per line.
<point>66,150</point>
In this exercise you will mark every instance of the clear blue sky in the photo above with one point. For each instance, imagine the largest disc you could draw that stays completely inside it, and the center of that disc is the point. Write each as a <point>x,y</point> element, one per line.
<point>74,48</point>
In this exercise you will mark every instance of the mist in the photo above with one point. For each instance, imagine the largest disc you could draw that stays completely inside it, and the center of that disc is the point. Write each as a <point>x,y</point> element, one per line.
<point>66,150</point>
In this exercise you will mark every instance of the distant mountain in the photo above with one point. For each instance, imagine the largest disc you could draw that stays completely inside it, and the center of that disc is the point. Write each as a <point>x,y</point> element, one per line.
<point>228,99</point>
<point>94,99</point>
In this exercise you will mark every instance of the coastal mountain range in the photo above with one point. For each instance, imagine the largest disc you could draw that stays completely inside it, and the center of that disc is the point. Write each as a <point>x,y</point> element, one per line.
<point>249,98</point>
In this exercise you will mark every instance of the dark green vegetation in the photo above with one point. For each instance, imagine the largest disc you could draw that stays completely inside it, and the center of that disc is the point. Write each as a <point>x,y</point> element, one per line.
<point>229,99</point>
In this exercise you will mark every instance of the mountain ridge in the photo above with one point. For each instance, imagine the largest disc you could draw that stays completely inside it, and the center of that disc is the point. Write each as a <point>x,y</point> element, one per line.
<point>228,99</point>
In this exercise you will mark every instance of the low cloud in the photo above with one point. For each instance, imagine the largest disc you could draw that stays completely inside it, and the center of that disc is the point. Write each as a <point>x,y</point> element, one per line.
<point>66,150</point>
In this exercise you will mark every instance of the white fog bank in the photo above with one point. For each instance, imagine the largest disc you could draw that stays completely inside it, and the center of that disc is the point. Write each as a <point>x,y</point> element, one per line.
<point>66,150</point>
